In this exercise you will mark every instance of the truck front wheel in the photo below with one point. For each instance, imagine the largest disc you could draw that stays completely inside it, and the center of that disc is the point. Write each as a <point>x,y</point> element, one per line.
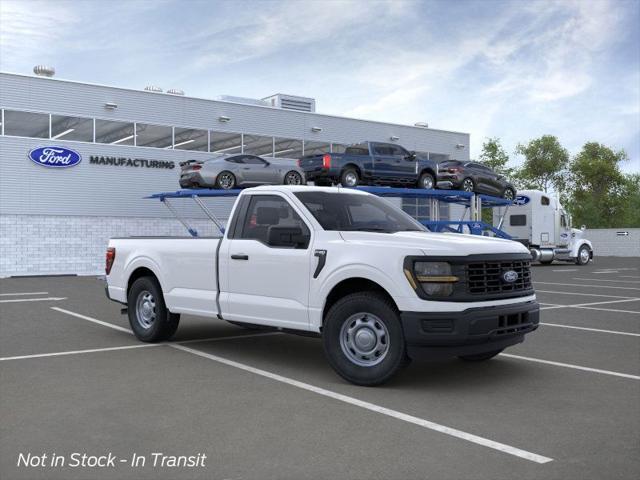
<point>148,315</point>
<point>584,255</point>
<point>363,340</point>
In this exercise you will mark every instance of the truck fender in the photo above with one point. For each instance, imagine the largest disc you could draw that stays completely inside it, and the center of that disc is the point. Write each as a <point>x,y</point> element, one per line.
<point>578,244</point>
<point>367,272</point>
<point>143,262</point>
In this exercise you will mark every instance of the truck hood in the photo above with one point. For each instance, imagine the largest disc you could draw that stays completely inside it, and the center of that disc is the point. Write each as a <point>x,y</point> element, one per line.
<point>450,244</point>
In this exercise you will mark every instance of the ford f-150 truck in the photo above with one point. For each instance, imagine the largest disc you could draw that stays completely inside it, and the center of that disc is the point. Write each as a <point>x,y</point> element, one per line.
<point>342,264</point>
<point>371,163</point>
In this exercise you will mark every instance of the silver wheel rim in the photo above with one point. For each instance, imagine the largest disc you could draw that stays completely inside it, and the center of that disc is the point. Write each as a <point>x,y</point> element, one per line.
<point>226,181</point>
<point>467,185</point>
<point>146,309</point>
<point>351,179</point>
<point>427,182</point>
<point>508,194</point>
<point>584,255</point>
<point>293,178</point>
<point>364,339</point>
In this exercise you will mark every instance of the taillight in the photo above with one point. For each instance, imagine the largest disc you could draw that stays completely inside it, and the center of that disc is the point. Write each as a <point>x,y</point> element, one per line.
<point>196,167</point>
<point>111,256</point>
<point>454,170</point>
<point>299,162</point>
<point>326,161</point>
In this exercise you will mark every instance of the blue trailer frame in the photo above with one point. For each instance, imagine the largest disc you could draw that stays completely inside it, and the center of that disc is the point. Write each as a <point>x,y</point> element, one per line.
<point>472,201</point>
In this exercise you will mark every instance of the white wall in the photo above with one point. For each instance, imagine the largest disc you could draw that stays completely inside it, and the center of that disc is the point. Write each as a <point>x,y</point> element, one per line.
<point>607,242</point>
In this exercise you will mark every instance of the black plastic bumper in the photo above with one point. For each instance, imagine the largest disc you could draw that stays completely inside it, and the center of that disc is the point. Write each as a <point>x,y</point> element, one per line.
<point>473,331</point>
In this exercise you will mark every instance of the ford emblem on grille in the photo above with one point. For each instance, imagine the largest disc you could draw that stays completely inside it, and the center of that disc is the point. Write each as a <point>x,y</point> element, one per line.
<point>510,276</point>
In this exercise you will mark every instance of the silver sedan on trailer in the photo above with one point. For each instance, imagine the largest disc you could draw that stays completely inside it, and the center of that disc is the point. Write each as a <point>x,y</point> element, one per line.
<point>235,171</point>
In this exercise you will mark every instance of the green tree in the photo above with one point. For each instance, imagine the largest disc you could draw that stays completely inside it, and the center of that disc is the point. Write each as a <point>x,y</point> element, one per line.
<point>544,165</point>
<point>600,195</point>
<point>495,157</point>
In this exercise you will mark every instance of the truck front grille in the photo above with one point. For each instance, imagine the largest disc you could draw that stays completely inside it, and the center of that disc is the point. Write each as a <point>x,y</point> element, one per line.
<point>486,277</point>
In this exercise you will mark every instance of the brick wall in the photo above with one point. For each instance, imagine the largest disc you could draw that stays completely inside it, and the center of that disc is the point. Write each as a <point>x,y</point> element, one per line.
<point>52,245</point>
<point>607,242</point>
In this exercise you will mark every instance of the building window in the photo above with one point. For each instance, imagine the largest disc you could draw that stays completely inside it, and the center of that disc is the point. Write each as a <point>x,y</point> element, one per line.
<point>316,148</point>
<point>115,133</point>
<point>226,143</point>
<point>258,145</point>
<point>191,139</point>
<point>420,208</point>
<point>71,128</point>
<point>156,136</point>
<point>26,124</point>
<point>287,148</point>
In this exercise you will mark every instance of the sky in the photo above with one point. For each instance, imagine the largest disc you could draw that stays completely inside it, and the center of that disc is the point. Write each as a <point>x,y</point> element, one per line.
<point>515,70</point>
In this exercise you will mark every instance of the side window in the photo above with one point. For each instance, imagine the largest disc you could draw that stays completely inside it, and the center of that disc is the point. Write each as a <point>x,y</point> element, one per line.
<point>518,220</point>
<point>544,200</point>
<point>271,220</point>
<point>253,160</point>
<point>563,221</point>
<point>238,159</point>
<point>382,150</point>
<point>398,151</point>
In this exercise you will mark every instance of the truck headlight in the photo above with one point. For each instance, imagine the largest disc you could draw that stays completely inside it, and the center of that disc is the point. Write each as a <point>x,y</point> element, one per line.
<point>434,278</point>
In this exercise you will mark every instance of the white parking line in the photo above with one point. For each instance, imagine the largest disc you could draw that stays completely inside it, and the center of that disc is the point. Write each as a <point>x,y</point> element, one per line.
<point>616,332</point>
<point>567,270</point>
<point>46,299</point>
<point>90,319</point>
<point>550,306</point>
<point>569,365</point>
<point>584,294</point>
<point>610,310</point>
<point>22,293</point>
<point>75,352</point>
<point>594,286</point>
<point>603,280</point>
<point>629,276</point>
<point>373,407</point>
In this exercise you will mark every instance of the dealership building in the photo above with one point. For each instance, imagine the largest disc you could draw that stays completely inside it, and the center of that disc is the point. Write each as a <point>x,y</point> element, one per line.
<point>129,144</point>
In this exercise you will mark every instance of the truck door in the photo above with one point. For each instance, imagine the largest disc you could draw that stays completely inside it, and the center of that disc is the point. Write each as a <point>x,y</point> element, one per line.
<point>564,232</point>
<point>404,165</point>
<point>383,161</point>
<point>266,283</point>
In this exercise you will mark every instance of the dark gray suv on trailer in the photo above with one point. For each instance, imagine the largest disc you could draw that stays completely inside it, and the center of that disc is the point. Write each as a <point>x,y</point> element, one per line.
<point>474,177</point>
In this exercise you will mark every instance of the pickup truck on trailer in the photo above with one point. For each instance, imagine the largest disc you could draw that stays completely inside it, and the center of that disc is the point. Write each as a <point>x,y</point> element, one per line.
<point>371,163</point>
<point>342,264</point>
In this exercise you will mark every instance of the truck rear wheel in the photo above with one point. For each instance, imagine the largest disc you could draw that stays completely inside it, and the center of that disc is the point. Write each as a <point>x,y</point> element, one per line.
<point>148,315</point>
<point>349,178</point>
<point>426,181</point>
<point>363,339</point>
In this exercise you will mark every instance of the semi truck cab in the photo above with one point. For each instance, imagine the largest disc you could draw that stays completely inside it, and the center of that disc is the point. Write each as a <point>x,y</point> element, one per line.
<point>538,221</point>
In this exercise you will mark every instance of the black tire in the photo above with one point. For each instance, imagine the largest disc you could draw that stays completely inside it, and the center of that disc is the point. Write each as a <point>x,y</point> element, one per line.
<point>349,177</point>
<point>164,323</point>
<point>427,181</point>
<point>293,178</point>
<point>225,180</point>
<point>582,258</point>
<point>468,185</point>
<point>366,308</point>
<point>509,194</point>
<point>480,357</point>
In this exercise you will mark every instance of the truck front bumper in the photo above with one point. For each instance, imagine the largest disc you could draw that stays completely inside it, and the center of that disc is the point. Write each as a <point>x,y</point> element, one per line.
<point>470,332</point>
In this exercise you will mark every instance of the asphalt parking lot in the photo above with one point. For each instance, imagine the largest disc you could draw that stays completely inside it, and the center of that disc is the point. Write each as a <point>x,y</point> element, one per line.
<point>563,405</point>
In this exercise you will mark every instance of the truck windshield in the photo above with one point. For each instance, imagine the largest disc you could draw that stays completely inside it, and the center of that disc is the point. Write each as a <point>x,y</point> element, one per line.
<point>353,212</point>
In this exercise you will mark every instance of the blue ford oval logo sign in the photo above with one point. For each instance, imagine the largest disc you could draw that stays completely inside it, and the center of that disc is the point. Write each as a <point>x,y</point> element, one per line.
<point>510,276</point>
<point>55,157</point>
<point>521,200</point>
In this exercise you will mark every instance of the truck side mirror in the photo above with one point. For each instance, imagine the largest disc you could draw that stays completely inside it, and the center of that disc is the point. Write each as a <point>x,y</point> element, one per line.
<point>411,156</point>
<point>293,237</point>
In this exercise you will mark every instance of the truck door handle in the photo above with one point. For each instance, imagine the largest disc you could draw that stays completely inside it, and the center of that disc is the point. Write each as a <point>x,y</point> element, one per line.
<point>239,256</point>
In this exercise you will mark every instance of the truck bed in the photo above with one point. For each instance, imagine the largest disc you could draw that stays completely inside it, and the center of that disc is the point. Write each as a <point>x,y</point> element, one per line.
<point>185,267</point>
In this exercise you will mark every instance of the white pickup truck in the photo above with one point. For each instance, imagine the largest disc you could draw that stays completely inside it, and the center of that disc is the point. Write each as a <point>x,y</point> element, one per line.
<point>340,264</point>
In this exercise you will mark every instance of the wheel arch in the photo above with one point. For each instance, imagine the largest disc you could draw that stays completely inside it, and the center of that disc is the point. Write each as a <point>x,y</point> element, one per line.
<point>428,170</point>
<point>354,166</point>
<point>139,272</point>
<point>353,285</point>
